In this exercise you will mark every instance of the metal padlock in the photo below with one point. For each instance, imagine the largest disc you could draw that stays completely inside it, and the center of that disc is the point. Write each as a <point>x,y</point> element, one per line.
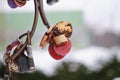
<point>57,36</point>
<point>22,61</point>
<point>25,60</point>
<point>53,53</point>
<point>59,52</point>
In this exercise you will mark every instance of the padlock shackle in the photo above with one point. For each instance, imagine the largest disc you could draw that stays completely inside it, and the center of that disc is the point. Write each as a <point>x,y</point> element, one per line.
<point>38,5</point>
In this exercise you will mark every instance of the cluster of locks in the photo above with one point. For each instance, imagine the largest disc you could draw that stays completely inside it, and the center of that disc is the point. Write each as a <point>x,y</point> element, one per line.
<point>23,62</point>
<point>57,37</point>
<point>18,56</point>
<point>59,46</point>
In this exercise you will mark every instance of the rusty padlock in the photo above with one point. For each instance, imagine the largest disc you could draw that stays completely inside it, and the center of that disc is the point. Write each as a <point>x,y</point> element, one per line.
<point>62,45</point>
<point>46,37</point>
<point>23,62</point>
<point>62,31</point>
<point>58,34</point>
<point>58,39</point>
<point>7,56</point>
<point>63,27</point>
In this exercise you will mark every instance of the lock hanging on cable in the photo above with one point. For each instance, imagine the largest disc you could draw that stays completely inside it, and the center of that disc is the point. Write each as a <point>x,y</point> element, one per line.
<point>58,39</point>
<point>23,62</point>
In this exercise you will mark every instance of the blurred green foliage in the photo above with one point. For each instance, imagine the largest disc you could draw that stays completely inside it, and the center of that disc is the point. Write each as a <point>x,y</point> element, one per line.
<point>109,71</point>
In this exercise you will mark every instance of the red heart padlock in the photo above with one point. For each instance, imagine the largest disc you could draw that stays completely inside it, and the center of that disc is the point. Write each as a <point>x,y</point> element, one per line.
<point>12,4</point>
<point>58,52</point>
<point>54,54</point>
<point>63,49</point>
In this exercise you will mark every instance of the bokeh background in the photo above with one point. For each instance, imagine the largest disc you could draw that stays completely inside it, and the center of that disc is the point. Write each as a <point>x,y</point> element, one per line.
<point>95,40</point>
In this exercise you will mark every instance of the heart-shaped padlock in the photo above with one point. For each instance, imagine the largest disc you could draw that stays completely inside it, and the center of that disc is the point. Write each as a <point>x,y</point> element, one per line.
<point>63,49</point>
<point>59,52</point>
<point>53,53</point>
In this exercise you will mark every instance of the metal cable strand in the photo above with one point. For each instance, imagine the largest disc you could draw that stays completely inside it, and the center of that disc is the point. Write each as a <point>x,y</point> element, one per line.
<point>32,30</point>
<point>42,13</point>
